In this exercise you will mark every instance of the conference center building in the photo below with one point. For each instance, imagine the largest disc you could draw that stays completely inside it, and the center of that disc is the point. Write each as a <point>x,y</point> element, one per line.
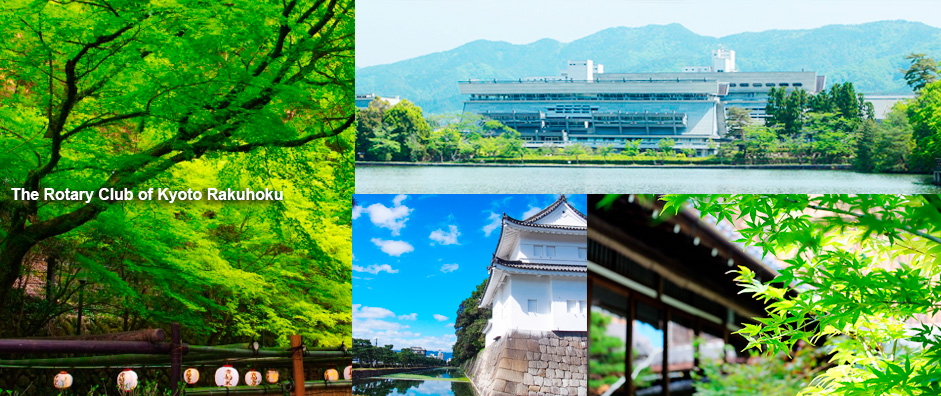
<point>586,105</point>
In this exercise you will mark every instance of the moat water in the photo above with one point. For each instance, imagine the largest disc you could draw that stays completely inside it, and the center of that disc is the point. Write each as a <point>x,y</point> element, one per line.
<point>588,180</point>
<point>440,386</point>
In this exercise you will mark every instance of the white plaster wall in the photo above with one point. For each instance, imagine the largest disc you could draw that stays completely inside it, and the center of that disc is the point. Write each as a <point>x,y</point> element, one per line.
<point>564,290</point>
<point>522,288</point>
<point>566,248</point>
<point>500,315</point>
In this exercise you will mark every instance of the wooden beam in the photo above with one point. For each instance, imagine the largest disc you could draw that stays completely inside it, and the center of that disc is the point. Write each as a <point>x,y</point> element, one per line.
<point>81,346</point>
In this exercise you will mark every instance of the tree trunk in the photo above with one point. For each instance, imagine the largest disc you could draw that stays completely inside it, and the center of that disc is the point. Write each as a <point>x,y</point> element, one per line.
<point>13,249</point>
<point>51,264</point>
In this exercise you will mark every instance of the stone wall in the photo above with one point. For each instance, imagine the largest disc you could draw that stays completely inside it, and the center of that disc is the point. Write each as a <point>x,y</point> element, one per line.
<point>533,364</point>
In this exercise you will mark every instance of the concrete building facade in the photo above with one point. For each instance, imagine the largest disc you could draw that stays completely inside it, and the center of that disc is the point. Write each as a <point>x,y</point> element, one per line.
<point>586,105</point>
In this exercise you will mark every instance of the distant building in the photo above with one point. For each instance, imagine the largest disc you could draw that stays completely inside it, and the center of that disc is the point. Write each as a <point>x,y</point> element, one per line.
<point>363,101</point>
<point>882,103</point>
<point>440,355</point>
<point>538,273</point>
<point>417,350</point>
<point>586,105</point>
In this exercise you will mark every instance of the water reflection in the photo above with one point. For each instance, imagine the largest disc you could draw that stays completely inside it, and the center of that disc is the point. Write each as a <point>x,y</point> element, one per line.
<point>393,387</point>
<point>685,180</point>
<point>440,373</point>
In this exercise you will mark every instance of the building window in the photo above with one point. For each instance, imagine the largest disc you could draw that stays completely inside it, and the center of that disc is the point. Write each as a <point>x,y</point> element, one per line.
<point>798,85</point>
<point>584,305</point>
<point>537,250</point>
<point>744,84</point>
<point>572,306</point>
<point>550,251</point>
<point>531,306</point>
<point>582,253</point>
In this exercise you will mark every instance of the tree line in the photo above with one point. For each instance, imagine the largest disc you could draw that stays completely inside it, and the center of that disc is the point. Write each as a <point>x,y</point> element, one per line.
<point>838,126</point>
<point>402,133</point>
<point>369,355</point>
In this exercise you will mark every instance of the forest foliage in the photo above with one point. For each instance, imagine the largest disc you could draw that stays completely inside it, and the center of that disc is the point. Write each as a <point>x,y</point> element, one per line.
<point>469,325</point>
<point>861,276</point>
<point>179,94</point>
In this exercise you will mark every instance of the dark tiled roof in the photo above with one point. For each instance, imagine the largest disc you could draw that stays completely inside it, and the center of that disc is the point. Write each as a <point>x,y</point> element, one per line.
<point>528,224</point>
<point>540,266</point>
<point>550,208</point>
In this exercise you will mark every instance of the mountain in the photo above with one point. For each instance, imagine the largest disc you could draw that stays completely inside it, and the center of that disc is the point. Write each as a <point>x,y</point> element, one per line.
<point>869,55</point>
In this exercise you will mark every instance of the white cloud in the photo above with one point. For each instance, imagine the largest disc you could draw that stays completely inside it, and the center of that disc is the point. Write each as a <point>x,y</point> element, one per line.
<point>449,325</point>
<point>448,268</point>
<point>440,318</point>
<point>393,248</point>
<point>532,211</point>
<point>398,199</point>
<point>376,324</point>
<point>411,316</point>
<point>393,218</point>
<point>445,238</point>
<point>375,269</point>
<point>361,312</point>
<point>495,222</point>
<point>357,211</point>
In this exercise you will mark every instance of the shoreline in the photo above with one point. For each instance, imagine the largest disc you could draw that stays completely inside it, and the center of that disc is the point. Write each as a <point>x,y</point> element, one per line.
<point>682,166</point>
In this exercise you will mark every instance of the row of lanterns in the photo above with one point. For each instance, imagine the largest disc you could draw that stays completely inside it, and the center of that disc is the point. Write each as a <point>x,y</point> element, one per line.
<point>225,376</point>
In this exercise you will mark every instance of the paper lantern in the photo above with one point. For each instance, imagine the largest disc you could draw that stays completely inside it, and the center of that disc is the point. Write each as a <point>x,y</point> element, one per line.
<point>271,376</point>
<point>127,380</point>
<point>331,375</point>
<point>62,380</point>
<point>252,378</point>
<point>227,376</point>
<point>348,372</point>
<point>191,376</point>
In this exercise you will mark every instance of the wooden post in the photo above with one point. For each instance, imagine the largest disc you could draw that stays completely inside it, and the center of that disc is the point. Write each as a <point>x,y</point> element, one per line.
<point>298,358</point>
<point>629,357</point>
<point>176,358</point>
<point>696,337</point>
<point>665,373</point>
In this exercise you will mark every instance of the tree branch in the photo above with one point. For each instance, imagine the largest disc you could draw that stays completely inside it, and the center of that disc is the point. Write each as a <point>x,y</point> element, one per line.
<point>103,121</point>
<point>291,143</point>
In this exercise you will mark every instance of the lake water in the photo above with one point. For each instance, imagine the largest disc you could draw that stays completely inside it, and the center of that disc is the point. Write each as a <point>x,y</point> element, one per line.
<point>584,180</point>
<point>401,387</point>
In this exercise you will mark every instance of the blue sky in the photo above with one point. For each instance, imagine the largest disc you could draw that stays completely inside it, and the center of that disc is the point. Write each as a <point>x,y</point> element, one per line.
<point>416,257</point>
<point>392,30</point>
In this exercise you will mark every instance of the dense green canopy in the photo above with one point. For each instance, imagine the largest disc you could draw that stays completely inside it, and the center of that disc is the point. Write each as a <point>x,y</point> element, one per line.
<point>180,94</point>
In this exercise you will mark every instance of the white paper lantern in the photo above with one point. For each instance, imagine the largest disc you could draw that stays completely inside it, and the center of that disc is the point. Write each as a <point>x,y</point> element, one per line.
<point>331,375</point>
<point>63,380</point>
<point>348,372</point>
<point>127,380</point>
<point>227,376</point>
<point>271,376</point>
<point>252,378</point>
<point>191,375</point>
